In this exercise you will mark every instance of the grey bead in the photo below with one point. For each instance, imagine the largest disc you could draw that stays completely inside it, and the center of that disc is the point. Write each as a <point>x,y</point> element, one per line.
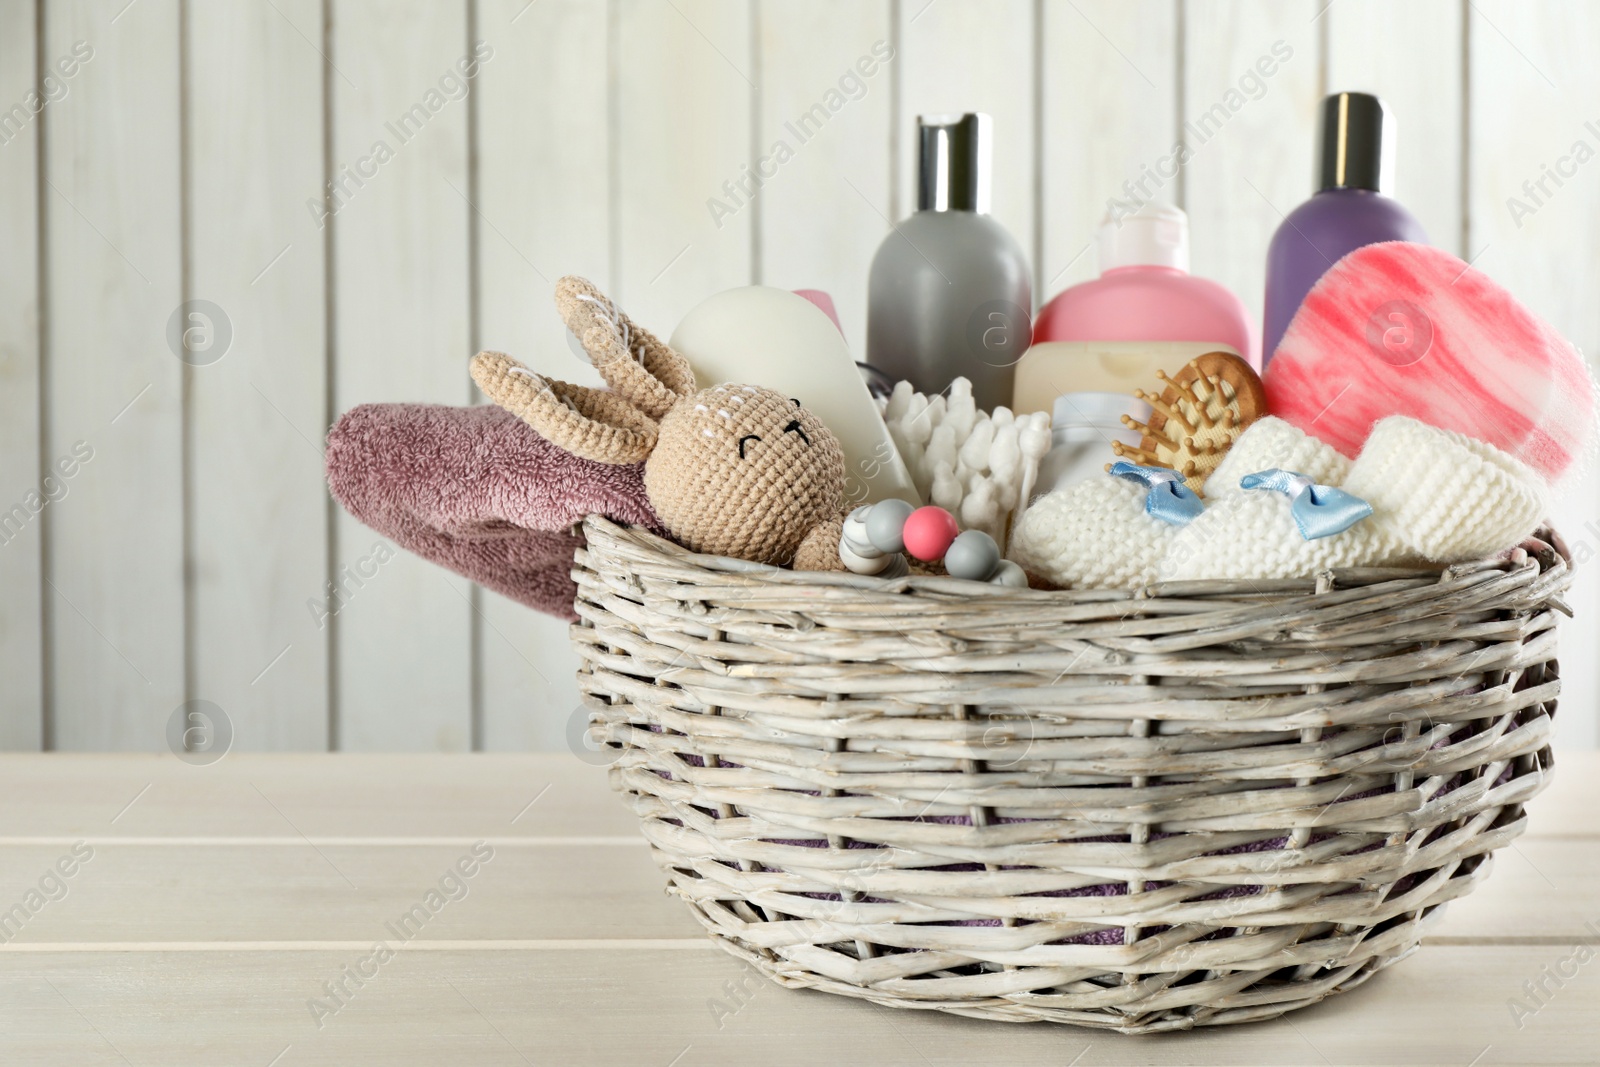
<point>1009,574</point>
<point>886,525</point>
<point>972,555</point>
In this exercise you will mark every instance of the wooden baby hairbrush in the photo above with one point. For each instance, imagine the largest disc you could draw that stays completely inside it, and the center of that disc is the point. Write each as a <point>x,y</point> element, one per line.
<point>1197,416</point>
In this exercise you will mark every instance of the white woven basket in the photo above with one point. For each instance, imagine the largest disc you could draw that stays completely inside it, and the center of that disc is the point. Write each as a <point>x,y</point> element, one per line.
<point>1193,804</point>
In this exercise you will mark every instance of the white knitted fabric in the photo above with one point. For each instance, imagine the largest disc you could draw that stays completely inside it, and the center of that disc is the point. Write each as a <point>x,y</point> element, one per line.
<point>1092,535</point>
<point>1250,533</point>
<point>1271,444</point>
<point>1448,496</point>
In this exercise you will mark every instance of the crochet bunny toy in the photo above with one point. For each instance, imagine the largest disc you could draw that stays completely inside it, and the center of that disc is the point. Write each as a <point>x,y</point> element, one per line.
<point>732,470</point>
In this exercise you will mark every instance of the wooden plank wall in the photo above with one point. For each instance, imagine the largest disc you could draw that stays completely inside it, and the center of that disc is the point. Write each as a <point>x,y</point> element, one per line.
<point>401,263</point>
<point>21,619</point>
<point>112,184</point>
<point>188,157</point>
<point>256,415</point>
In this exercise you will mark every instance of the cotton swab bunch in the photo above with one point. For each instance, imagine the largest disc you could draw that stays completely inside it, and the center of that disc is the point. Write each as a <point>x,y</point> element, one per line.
<point>979,466</point>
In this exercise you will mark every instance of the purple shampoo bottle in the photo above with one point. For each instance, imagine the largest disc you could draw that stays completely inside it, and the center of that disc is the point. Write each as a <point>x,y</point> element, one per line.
<point>1351,208</point>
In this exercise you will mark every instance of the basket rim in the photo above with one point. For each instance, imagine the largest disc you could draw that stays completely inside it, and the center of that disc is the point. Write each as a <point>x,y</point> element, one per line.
<point>1545,554</point>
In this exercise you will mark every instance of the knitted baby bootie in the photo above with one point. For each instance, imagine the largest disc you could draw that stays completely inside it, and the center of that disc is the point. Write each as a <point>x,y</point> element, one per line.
<point>1275,486</point>
<point>1104,533</point>
<point>1448,497</point>
<point>1271,443</point>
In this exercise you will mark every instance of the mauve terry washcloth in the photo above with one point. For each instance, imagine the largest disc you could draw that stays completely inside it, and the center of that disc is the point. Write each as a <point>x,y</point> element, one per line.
<point>476,490</point>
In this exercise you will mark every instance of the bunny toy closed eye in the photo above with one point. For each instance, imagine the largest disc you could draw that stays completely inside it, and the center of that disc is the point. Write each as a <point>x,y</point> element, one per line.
<point>733,470</point>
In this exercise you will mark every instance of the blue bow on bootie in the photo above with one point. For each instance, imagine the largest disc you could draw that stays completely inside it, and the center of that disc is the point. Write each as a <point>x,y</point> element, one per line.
<point>1170,501</point>
<point>1319,510</point>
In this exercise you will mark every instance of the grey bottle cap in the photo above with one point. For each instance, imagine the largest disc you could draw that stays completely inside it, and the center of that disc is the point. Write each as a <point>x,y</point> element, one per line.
<point>953,155</point>
<point>1357,144</point>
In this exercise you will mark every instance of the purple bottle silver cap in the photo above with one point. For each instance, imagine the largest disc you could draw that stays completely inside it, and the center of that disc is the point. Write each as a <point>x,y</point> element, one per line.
<point>1357,144</point>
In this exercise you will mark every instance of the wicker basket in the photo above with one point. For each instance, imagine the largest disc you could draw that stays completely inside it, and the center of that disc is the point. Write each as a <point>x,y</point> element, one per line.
<point>1189,805</point>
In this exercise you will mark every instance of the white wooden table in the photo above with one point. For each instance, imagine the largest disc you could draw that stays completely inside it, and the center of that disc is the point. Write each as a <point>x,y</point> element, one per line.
<point>210,910</point>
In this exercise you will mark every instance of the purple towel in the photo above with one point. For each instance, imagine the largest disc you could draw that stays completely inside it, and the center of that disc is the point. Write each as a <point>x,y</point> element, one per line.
<point>476,490</point>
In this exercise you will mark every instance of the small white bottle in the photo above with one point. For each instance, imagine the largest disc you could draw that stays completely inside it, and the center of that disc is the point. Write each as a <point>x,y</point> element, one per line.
<point>1082,427</point>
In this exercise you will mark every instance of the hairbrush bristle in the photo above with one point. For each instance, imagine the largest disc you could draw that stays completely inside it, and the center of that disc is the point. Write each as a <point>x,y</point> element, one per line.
<point>1145,459</point>
<point>1196,417</point>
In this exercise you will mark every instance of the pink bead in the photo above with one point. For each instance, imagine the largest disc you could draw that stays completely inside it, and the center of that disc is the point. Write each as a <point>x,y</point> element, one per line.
<point>929,532</point>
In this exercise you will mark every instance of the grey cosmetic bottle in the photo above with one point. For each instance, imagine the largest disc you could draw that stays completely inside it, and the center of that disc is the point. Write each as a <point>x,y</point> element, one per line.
<point>950,295</point>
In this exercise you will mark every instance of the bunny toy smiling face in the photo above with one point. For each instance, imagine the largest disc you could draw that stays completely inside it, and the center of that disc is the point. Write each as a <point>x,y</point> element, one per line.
<point>733,470</point>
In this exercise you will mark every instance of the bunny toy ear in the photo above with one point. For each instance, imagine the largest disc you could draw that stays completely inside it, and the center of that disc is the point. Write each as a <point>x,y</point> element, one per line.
<point>632,360</point>
<point>591,423</point>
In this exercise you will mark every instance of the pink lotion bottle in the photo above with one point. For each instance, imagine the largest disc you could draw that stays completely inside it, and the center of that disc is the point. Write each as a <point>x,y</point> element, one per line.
<point>1144,313</point>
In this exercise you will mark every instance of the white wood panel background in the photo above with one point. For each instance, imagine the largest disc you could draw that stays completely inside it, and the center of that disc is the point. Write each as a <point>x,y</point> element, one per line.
<point>21,621</point>
<point>112,184</point>
<point>256,416</point>
<point>187,160</point>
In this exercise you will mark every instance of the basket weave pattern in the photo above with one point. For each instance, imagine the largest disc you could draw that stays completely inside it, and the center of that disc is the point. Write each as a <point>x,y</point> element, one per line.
<point>1203,803</point>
